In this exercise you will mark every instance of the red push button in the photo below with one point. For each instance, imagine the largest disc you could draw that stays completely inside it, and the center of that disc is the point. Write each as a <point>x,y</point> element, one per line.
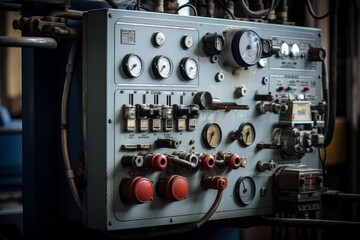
<point>281,88</point>
<point>157,161</point>
<point>138,190</point>
<point>174,188</point>
<point>215,182</point>
<point>306,89</point>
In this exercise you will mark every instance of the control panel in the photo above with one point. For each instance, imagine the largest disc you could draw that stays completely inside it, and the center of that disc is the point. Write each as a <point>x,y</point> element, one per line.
<point>180,108</point>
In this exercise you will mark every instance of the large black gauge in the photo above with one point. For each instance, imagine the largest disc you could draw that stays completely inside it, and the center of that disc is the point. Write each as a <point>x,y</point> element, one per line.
<point>245,190</point>
<point>211,135</point>
<point>133,65</point>
<point>246,48</point>
<point>189,68</point>
<point>162,66</point>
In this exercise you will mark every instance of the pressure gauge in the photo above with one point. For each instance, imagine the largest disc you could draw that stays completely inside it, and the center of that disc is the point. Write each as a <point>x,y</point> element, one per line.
<point>247,134</point>
<point>187,42</point>
<point>246,47</point>
<point>162,66</point>
<point>284,50</point>
<point>133,65</point>
<point>211,135</point>
<point>189,68</point>
<point>245,190</point>
<point>158,39</point>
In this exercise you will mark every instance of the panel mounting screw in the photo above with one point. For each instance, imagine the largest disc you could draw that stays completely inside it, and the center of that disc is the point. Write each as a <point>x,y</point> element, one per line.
<point>171,219</point>
<point>110,15</point>
<point>110,223</point>
<point>110,120</point>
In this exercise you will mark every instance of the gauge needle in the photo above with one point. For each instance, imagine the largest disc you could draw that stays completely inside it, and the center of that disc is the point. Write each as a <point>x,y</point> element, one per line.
<point>247,135</point>
<point>211,135</point>
<point>162,68</point>
<point>133,66</point>
<point>245,190</point>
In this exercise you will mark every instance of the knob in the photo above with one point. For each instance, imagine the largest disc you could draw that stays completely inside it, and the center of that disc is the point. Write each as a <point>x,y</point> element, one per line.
<point>173,188</point>
<point>213,43</point>
<point>215,182</point>
<point>137,190</point>
<point>317,54</point>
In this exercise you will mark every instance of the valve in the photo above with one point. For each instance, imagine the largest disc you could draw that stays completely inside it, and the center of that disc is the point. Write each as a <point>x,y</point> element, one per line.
<point>173,188</point>
<point>215,182</point>
<point>263,166</point>
<point>138,190</point>
<point>230,160</point>
<point>184,159</point>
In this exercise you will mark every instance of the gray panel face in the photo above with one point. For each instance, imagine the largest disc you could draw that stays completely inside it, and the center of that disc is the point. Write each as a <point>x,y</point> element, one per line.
<point>126,115</point>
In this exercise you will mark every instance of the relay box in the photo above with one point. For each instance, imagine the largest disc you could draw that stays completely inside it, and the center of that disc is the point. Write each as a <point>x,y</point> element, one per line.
<point>178,108</point>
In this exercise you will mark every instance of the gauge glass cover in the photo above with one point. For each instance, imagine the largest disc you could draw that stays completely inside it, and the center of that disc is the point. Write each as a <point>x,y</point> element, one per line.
<point>211,135</point>
<point>189,68</point>
<point>247,134</point>
<point>245,190</point>
<point>249,48</point>
<point>162,66</point>
<point>133,65</point>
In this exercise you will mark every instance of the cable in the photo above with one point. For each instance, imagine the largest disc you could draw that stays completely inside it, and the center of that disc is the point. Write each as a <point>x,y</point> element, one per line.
<point>187,5</point>
<point>251,13</point>
<point>112,4</point>
<point>211,211</point>
<point>10,7</point>
<point>312,13</point>
<point>226,9</point>
<point>64,125</point>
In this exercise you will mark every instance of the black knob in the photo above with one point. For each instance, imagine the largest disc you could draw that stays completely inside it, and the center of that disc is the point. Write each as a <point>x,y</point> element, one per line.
<point>317,54</point>
<point>213,43</point>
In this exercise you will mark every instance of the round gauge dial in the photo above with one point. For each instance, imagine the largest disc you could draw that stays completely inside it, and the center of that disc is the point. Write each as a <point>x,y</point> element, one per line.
<point>247,134</point>
<point>211,135</point>
<point>213,43</point>
<point>158,39</point>
<point>162,66</point>
<point>189,68</point>
<point>246,48</point>
<point>284,50</point>
<point>187,42</point>
<point>245,190</point>
<point>133,65</point>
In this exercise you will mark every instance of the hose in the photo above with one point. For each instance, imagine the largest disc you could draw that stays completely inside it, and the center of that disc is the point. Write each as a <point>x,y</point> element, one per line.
<point>251,13</point>
<point>34,42</point>
<point>64,125</point>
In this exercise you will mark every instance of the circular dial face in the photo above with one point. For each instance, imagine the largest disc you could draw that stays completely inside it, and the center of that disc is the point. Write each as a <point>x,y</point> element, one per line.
<point>187,42</point>
<point>247,134</point>
<point>158,39</point>
<point>284,50</point>
<point>133,65</point>
<point>219,42</point>
<point>189,68</point>
<point>211,135</point>
<point>162,66</point>
<point>246,48</point>
<point>245,190</point>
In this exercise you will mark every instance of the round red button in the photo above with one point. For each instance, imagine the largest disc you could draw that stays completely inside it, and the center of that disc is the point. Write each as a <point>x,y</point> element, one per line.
<point>137,190</point>
<point>174,188</point>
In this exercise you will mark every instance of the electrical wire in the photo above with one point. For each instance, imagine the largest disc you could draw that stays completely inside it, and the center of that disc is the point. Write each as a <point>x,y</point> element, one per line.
<point>211,211</point>
<point>187,5</point>
<point>312,12</point>
<point>112,4</point>
<point>64,125</point>
<point>251,13</point>
<point>226,9</point>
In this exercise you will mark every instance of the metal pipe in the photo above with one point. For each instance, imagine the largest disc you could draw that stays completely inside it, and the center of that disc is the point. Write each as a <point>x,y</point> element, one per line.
<point>35,42</point>
<point>68,13</point>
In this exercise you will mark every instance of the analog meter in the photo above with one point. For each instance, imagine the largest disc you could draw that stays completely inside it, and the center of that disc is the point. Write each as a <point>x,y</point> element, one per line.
<point>244,48</point>
<point>247,134</point>
<point>162,66</point>
<point>211,135</point>
<point>133,65</point>
<point>189,68</point>
<point>245,190</point>
<point>284,50</point>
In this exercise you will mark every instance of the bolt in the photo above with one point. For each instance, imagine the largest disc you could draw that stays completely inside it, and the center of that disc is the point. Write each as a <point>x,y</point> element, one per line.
<point>110,223</point>
<point>214,59</point>
<point>110,120</point>
<point>191,141</point>
<point>110,15</point>
<point>265,80</point>
<point>219,77</point>
<point>171,219</point>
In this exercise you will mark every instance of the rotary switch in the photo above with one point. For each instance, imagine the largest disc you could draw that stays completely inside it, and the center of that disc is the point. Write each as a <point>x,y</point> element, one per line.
<point>213,43</point>
<point>137,190</point>
<point>173,188</point>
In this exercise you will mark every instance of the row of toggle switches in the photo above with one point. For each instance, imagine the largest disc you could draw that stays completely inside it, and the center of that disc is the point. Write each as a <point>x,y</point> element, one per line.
<point>139,190</point>
<point>142,117</point>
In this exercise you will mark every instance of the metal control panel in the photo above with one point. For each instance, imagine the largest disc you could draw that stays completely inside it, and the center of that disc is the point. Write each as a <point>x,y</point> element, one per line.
<point>178,108</point>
